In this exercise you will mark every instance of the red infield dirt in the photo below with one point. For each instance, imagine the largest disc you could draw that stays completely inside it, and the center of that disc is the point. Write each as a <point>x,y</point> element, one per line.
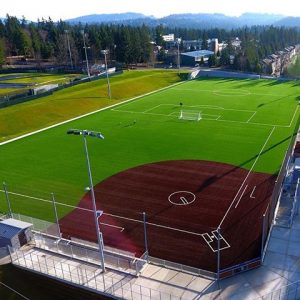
<point>184,201</point>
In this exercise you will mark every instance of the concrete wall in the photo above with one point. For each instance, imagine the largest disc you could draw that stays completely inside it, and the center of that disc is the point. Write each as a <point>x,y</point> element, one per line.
<point>226,74</point>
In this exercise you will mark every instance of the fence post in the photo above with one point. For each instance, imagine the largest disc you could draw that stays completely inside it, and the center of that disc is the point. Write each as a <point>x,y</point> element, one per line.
<point>55,214</point>
<point>263,237</point>
<point>145,236</point>
<point>62,270</point>
<point>218,254</point>
<point>103,279</point>
<point>7,199</point>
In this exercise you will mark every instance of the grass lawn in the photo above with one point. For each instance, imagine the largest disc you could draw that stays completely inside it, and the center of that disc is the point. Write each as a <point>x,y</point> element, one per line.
<point>241,120</point>
<point>42,78</point>
<point>35,79</point>
<point>80,99</point>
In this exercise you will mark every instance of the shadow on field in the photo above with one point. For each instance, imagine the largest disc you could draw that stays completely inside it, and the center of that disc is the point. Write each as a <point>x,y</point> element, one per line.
<point>277,100</point>
<point>213,179</point>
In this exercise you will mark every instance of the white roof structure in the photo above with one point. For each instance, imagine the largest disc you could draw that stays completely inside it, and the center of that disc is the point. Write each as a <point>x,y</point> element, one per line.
<point>16,223</point>
<point>11,227</point>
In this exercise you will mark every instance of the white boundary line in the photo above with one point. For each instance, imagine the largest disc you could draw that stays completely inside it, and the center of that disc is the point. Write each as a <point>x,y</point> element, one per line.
<point>90,113</point>
<point>242,194</point>
<point>251,117</point>
<point>251,195</point>
<point>248,174</point>
<point>107,214</point>
<point>258,94</point>
<point>113,226</point>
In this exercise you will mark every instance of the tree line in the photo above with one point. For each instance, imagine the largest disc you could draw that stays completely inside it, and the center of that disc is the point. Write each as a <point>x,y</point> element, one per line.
<point>45,39</point>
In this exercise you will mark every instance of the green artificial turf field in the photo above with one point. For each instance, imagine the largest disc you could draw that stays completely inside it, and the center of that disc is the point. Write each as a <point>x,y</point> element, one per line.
<point>83,98</point>
<point>246,123</point>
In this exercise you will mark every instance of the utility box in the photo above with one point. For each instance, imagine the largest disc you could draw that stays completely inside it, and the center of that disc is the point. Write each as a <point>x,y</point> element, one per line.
<point>15,233</point>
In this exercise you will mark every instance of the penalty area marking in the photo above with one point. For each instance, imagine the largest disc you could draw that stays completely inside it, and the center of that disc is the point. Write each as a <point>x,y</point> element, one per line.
<point>182,198</point>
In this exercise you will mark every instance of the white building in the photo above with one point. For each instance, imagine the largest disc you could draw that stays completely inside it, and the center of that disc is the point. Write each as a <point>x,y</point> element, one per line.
<point>169,37</point>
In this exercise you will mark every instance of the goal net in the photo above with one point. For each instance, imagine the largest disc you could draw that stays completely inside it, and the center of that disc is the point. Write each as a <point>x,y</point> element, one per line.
<point>190,115</point>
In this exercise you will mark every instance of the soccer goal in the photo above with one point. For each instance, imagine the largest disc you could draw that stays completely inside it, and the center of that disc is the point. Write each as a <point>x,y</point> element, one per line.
<point>190,115</point>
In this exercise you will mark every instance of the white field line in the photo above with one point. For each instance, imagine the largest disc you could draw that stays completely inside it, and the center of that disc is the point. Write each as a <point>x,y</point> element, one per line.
<point>218,119</point>
<point>294,116</point>
<point>249,172</point>
<point>251,117</point>
<point>113,226</point>
<point>259,124</point>
<point>221,238</point>
<point>210,241</point>
<point>107,214</point>
<point>88,114</point>
<point>207,106</point>
<point>242,194</point>
<point>151,108</point>
<point>251,195</point>
<point>213,92</point>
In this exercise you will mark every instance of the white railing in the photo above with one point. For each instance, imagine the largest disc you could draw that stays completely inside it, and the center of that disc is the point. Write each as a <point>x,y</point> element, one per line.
<point>116,261</point>
<point>87,276</point>
<point>288,292</point>
<point>182,268</point>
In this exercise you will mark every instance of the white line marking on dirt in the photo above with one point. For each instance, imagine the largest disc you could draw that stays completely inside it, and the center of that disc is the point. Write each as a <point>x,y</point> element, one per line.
<point>251,195</point>
<point>238,202</point>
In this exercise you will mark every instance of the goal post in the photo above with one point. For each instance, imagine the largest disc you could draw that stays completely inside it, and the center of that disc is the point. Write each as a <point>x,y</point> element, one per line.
<point>190,115</point>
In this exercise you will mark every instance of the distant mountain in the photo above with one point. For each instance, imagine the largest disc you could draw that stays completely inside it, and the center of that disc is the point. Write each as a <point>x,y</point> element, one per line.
<point>190,20</point>
<point>289,22</point>
<point>107,18</point>
<point>251,19</point>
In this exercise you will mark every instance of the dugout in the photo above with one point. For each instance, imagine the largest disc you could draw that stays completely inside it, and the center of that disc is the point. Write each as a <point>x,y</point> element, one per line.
<point>15,233</point>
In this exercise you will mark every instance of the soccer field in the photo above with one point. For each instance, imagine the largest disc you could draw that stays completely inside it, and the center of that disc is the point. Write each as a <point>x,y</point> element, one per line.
<point>245,123</point>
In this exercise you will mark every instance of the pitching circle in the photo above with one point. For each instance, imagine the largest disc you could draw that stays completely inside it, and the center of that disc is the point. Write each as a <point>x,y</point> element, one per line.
<point>182,198</point>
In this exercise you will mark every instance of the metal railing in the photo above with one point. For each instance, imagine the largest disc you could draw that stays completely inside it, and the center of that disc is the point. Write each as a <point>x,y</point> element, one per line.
<point>116,261</point>
<point>86,276</point>
<point>182,268</point>
<point>288,292</point>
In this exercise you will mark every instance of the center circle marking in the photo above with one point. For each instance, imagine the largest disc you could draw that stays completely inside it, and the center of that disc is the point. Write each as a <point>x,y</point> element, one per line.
<point>182,198</point>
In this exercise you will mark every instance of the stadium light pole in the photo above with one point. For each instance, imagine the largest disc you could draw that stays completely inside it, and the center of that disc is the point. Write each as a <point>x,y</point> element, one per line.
<point>98,135</point>
<point>69,47</point>
<point>105,52</point>
<point>178,52</point>
<point>86,58</point>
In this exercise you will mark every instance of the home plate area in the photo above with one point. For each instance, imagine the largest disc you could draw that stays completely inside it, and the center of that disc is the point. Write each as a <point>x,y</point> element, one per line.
<point>215,241</point>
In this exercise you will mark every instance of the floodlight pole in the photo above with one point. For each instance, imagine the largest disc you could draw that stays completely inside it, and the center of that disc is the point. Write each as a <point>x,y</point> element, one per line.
<point>145,235</point>
<point>85,133</point>
<point>86,58</point>
<point>105,52</point>
<point>7,199</point>
<point>99,234</point>
<point>178,53</point>
<point>69,47</point>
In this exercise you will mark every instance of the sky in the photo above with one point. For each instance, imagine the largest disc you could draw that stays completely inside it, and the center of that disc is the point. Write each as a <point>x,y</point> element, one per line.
<point>66,9</point>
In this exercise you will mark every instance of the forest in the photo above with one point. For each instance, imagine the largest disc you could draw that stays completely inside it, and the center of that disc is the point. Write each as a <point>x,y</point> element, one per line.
<point>48,40</point>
